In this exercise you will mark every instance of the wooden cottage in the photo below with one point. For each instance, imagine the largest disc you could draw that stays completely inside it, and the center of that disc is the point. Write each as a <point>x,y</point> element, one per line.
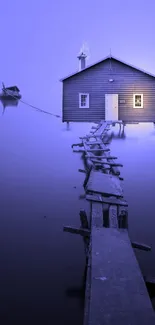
<point>109,89</point>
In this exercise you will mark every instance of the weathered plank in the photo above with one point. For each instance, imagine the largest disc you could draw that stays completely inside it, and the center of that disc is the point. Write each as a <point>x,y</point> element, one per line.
<point>87,293</point>
<point>77,231</point>
<point>104,184</point>
<point>84,219</point>
<point>90,143</point>
<point>101,129</point>
<point>103,167</point>
<point>86,137</point>
<point>113,221</point>
<point>107,163</point>
<point>122,217</point>
<point>98,149</point>
<point>85,225</point>
<point>118,294</point>
<point>102,157</point>
<point>107,200</point>
<point>82,170</point>
<point>100,162</point>
<point>96,214</point>
<point>89,162</point>
<point>141,246</point>
<point>115,169</point>
<point>77,145</point>
<point>79,150</point>
<point>87,176</point>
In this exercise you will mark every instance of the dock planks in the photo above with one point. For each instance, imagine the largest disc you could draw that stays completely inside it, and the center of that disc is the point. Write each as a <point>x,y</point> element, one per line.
<point>118,294</point>
<point>104,183</point>
<point>115,289</point>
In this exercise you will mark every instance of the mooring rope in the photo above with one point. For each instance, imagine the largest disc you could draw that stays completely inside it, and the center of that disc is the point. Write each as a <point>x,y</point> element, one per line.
<point>37,108</point>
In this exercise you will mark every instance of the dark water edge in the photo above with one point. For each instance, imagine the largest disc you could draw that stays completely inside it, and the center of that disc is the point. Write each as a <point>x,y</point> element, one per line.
<point>41,267</point>
<point>136,151</point>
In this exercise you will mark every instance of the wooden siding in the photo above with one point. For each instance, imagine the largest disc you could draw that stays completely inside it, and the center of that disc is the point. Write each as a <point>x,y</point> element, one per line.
<point>94,81</point>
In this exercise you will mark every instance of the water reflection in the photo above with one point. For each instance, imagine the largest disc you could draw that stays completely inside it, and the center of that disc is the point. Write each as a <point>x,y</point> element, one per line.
<point>8,103</point>
<point>78,292</point>
<point>120,134</point>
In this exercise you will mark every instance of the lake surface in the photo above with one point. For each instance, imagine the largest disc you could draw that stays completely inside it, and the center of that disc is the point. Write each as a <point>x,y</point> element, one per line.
<point>40,187</point>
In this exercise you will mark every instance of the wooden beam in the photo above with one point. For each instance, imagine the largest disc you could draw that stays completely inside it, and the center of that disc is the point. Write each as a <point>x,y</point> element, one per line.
<point>101,129</point>
<point>102,157</point>
<point>82,171</point>
<point>122,217</point>
<point>90,143</point>
<point>87,137</point>
<point>108,163</point>
<point>87,176</point>
<point>89,162</point>
<point>113,221</point>
<point>107,200</point>
<point>99,161</point>
<point>105,184</point>
<point>84,220</point>
<point>98,149</point>
<point>102,166</point>
<point>79,150</point>
<point>97,214</point>
<point>77,144</point>
<point>77,231</point>
<point>141,246</point>
<point>97,157</point>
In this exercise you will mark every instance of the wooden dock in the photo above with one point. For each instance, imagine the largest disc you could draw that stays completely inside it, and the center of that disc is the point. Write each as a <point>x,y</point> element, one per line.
<point>115,290</point>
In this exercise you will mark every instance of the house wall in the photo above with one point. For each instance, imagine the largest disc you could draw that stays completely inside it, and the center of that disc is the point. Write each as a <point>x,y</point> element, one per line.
<point>94,81</point>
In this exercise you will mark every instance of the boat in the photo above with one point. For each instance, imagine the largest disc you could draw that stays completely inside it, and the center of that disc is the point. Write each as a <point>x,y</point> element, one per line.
<point>10,92</point>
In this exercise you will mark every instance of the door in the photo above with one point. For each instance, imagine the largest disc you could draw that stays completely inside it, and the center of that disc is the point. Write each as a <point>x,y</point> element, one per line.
<point>111,107</point>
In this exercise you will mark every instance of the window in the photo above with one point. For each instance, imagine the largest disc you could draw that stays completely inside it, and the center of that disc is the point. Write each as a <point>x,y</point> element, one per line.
<point>83,100</point>
<point>138,101</point>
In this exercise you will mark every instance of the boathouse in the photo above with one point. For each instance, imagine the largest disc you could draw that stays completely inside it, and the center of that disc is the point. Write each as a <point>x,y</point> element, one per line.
<point>108,90</point>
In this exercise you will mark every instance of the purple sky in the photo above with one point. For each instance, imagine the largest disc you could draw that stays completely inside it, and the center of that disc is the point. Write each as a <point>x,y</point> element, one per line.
<point>40,40</point>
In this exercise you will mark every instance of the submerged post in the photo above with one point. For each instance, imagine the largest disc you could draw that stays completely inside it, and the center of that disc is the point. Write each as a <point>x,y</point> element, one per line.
<point>67,125</point>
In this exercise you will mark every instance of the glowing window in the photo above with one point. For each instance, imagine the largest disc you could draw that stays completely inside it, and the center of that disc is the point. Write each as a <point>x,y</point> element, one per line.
<point>138,101</point>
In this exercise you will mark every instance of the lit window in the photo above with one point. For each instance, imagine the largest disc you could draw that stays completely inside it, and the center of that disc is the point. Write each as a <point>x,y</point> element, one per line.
<point>138,101</point>
<point>83,100</point>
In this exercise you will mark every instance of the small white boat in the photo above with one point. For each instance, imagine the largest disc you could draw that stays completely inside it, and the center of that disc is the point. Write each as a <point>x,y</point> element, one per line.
<point>10,92</point>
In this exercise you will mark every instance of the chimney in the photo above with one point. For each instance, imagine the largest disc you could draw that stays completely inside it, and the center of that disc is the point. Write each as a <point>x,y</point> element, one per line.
<point>82,61</point>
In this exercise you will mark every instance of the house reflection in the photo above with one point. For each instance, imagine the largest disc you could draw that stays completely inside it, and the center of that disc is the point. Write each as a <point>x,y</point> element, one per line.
<point>8,103</point>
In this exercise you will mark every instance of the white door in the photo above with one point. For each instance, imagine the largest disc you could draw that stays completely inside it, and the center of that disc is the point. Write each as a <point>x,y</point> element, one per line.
<point>111,107</point>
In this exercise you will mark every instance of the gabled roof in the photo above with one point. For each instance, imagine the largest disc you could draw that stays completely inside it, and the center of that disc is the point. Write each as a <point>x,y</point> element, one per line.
<point>107,57</point>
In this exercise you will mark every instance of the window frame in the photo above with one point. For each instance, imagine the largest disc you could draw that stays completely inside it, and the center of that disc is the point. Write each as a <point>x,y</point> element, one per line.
<point>87,100</point>
<point>134,96</point>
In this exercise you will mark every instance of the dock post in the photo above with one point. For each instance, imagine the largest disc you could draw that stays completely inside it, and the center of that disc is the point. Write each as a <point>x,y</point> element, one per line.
<point>67,124</point>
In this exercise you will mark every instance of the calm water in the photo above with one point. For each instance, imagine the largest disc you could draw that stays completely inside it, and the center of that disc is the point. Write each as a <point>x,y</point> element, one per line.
<point>40,187</point>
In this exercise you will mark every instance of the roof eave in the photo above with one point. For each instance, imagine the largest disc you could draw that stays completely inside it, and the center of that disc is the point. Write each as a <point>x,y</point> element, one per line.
<point>108,57</point>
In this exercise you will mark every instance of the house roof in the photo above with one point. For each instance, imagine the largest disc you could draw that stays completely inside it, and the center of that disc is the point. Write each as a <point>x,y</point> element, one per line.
<point>107,57</point>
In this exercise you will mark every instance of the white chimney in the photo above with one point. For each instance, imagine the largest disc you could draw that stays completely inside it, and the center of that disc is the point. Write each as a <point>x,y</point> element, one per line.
<point>82,61</point>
